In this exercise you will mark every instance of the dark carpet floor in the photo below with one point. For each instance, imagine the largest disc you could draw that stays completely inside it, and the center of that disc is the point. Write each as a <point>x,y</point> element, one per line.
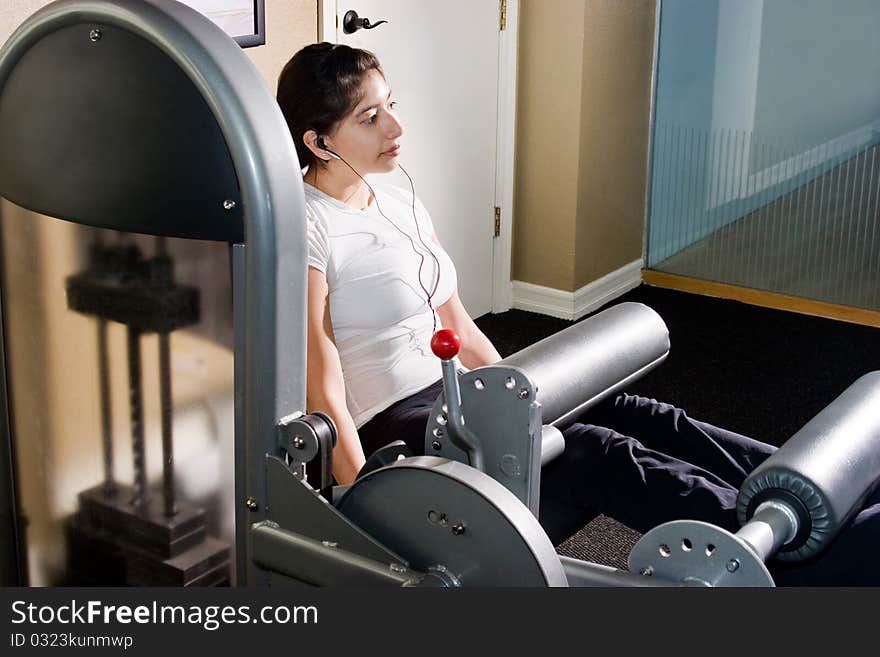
<point>762,373</point>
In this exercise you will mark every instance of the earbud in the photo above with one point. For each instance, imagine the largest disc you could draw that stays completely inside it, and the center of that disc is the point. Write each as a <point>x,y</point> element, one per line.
<point>319,142</point>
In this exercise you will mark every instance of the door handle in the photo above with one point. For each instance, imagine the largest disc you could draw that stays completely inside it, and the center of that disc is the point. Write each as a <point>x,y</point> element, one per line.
<point>351,22</point>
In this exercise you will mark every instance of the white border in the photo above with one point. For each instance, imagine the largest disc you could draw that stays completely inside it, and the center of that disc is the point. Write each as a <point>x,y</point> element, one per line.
<point>327,21</point>
<point>574,305</point>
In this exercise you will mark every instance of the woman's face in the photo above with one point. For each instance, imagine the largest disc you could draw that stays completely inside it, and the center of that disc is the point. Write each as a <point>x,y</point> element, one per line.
<point>369,137</point>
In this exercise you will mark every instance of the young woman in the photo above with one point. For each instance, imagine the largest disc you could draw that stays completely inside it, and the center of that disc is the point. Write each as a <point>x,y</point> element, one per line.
<point>380,284</point>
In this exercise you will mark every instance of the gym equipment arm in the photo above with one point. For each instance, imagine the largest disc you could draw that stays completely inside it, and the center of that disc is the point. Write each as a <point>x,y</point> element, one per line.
<point>585,363</point>
<point>824,472</point>
<point>792,505</point>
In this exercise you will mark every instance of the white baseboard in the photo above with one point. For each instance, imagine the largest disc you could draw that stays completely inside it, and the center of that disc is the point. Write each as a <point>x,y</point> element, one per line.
<point>574,305</point>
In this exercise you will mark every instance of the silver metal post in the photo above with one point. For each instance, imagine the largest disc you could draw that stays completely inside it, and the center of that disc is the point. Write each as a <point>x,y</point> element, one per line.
<point>773,525</point>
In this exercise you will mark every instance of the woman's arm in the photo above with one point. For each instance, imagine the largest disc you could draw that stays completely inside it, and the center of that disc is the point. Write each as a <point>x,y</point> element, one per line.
<point>325,388</point>
<point>476,349</point>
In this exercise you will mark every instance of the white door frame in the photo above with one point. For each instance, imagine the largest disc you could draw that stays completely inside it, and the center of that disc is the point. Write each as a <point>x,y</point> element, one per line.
<point>505,145</point>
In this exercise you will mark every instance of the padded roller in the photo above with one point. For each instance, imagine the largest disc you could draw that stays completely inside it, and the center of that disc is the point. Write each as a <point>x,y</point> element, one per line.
<point>578,367</point>
<point>825,471</point>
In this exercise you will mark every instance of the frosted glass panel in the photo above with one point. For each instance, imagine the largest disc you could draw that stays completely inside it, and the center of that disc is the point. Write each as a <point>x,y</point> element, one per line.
<point>765,170</point>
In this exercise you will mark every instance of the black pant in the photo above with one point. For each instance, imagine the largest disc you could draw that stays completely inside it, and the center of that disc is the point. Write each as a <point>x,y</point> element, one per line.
<point>644,463</point>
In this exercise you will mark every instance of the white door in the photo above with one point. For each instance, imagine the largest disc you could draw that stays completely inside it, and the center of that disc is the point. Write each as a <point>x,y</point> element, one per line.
<point>441,62</point>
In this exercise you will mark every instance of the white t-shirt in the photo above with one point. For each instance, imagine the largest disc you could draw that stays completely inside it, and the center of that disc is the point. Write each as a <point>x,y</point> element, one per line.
<point>380,317</point>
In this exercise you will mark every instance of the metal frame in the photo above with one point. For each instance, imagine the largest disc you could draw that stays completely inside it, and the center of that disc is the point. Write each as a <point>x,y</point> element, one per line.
<point>511,432</point>
<point>259,36</point>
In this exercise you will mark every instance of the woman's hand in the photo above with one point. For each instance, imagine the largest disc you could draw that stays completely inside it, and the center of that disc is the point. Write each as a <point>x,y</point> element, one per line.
<point>476,349</point>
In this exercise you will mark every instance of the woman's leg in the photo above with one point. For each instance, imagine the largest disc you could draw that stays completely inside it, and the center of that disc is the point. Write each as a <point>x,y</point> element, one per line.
<point>404,420</point>
<point>667,429</point>
<point>642,488</point>
<point>619,476</point>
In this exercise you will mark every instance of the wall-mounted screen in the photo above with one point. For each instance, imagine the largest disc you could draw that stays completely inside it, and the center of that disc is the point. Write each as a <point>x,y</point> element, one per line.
<point>243,20</point>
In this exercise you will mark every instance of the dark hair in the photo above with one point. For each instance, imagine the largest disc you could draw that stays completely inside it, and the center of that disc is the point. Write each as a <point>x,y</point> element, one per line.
<point>318,87</point>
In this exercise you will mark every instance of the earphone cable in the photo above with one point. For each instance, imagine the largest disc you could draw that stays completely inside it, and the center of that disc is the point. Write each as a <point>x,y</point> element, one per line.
<point>428,295</point>
<point>418,232</point>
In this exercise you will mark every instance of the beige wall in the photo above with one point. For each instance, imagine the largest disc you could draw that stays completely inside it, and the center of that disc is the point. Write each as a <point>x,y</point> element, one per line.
<point>52,352</point>
<point>290,24</point>
<point>582,138</point>
<point>547,137</point>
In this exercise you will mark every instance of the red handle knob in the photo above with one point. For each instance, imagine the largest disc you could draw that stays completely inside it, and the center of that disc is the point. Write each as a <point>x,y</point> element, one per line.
<point>445,344</point>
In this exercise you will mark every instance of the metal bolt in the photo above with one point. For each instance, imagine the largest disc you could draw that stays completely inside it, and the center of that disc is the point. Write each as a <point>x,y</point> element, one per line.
<point>510,465</point>
<point>251,504</point>
<point>647,571</point>
<point>436,445</point>
<point>329,544</point>
<point>95,35</point>
<point>228,204</point>
<point>458,529</point>
<point>523,393</point>
<point>397,568</point>
<point>732,566</point>
<point>299,443</point>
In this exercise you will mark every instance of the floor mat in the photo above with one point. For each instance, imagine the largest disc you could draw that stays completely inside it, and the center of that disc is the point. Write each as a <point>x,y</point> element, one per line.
<point>603,540</point>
